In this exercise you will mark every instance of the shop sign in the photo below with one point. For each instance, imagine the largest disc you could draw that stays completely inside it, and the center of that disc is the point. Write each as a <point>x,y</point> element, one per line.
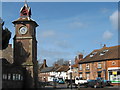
<point>114,72</point>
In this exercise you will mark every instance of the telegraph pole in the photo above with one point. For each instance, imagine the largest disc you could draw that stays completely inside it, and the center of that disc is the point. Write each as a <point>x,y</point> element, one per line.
<point>70,74</point>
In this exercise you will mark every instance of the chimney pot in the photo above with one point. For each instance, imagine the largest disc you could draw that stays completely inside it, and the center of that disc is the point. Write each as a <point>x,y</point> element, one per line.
<point>10,45</point>
<point>80,56</point>
<point>104,45</point>
<point>44,61</point>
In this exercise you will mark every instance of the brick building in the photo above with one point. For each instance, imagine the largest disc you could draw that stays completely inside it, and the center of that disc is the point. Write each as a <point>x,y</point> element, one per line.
<point>103,63</point>
<point>12,76</point>
<point>75,67</point>
<point>49,73</point>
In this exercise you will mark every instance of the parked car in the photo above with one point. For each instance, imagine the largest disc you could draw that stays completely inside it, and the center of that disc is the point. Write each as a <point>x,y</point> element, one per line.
<point>107,82</point>
<point>98,83</point>
<point>104,82</point>
<point>61,81</point>
<point>92,83</point>
<point>80,81</point>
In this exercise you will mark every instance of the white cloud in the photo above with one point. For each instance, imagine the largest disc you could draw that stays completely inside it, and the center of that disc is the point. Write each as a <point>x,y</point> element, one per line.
<point>48,34</point>
<point>114,19</point>
<point>107,35</point>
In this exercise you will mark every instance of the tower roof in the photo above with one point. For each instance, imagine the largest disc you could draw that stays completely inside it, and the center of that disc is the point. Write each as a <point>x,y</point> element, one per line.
<point>25,15</point>
<point>25,11</point>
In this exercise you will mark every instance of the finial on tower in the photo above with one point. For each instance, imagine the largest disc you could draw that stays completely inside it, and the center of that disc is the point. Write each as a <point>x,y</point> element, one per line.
<point>25,10</point>
<point>25,1</point>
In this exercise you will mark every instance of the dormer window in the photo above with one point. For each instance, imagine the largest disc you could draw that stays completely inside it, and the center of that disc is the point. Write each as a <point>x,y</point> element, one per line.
<point>103,52</point>
<point>93,54</point>
<point>106,50</point>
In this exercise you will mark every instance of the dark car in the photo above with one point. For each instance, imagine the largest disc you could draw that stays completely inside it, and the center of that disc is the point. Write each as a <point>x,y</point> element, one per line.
<point>98,83</point>
<point>61,81</point>
<point>104,82</point>
<point>107,82</point>
<point>92,83</point>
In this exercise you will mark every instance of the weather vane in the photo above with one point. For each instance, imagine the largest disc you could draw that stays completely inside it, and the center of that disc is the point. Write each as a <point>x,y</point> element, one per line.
<point>25,1</point>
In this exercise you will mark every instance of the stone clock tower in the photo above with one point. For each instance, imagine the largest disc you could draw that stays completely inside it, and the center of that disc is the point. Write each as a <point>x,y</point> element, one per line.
<point>25,46</point>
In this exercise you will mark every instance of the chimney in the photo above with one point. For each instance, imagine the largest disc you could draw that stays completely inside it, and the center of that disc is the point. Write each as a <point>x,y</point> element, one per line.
<point>10,45</point>
<point>76,60</point>
<point>56,65</point>
<point>104,45</point>
<point>44,61</point>
<point>80,56</point>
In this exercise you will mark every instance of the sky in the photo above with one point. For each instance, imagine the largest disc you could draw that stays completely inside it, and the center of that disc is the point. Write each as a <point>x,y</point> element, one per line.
<point>68,28</point>
<point>61,0</point>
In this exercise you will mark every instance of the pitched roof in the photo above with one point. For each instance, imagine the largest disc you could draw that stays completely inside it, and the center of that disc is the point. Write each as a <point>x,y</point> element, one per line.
<point>41,66</point>
<point>105,53</point>
<point>26,19</point>
<point>7,53</point>
<point>75,65</point>
<point>63,69</point>
<point>56,68</point>
<point>47,69</point>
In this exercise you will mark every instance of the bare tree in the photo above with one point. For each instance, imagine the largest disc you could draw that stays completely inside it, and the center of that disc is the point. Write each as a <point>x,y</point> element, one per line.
<point>61,62</point>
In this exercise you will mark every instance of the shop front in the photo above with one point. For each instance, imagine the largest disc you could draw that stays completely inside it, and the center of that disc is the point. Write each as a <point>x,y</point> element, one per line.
<point>114,75</point>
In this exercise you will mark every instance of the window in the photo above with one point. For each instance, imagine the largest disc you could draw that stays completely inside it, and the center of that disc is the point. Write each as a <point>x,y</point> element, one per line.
<point>99,74</point>
<point>9,76</point>
<point>93,54</point>
<point>113,63</point>
<point>80,75</point>
<point>80,67</point>
<point>5,76</point>
<point>17,76</point>
<point>21,78</point>
<point>103,52</point>
<point>13,76</point>
<point>87,66</point>
<point>99,65</point>
<point>87,76</point>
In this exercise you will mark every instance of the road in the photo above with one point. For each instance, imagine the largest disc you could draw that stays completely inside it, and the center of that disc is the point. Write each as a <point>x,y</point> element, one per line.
<point>64,87</point>
<point>107,88</point>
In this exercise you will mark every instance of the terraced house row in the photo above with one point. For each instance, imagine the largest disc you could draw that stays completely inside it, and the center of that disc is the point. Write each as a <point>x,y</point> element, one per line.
<point>104,62</point>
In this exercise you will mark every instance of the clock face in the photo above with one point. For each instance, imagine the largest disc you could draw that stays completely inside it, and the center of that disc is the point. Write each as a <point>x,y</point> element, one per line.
<point>23,30</point>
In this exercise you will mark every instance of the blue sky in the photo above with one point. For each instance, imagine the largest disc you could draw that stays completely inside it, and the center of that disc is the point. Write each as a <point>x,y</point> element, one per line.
<point>68,28</point>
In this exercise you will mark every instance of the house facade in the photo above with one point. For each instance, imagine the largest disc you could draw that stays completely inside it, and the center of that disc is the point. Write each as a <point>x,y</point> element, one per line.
<point>103,63</point>
<point>49,73</point>
<point>75,67</point>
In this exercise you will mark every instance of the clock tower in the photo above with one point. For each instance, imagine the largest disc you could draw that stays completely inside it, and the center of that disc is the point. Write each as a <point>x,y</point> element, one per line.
<point>25,46</point>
